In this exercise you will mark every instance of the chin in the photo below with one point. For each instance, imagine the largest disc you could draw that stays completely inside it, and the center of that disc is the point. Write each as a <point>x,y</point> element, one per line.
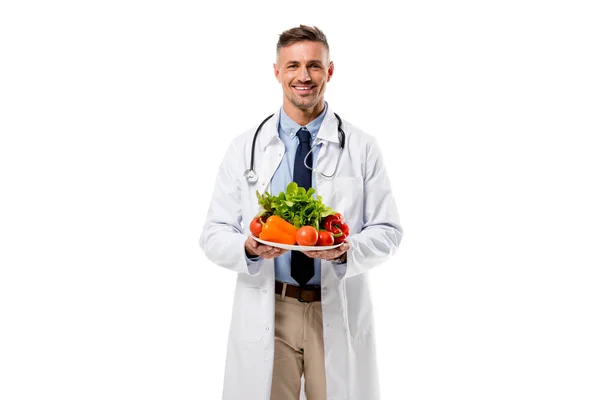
<point>305,105</point>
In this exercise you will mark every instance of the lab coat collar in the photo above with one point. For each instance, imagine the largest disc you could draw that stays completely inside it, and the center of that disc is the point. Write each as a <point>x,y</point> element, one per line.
<point>269,133</point>
<point>328,132</point>
<point>329,128</point>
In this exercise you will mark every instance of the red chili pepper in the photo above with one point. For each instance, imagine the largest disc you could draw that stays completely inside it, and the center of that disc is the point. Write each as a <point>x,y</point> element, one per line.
<point>336,225</point>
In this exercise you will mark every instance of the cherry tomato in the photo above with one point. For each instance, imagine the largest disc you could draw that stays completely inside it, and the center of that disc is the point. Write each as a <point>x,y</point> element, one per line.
<point>307,236</point>
<point>256,227</point>
<point>325,238</point>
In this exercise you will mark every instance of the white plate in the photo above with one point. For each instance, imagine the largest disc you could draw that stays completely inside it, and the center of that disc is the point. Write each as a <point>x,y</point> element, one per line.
<point>295,246</point>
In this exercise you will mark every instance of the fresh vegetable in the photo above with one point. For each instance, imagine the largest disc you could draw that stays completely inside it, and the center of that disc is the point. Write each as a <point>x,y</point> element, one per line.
<point>278,230</point>
<point>256,226</point>
<point>325,238</point>
<point>336,225</point>
<point>307,236</point>
<point>296,205</point>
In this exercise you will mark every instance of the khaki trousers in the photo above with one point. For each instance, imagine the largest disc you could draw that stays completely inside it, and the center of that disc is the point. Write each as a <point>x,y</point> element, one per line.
<point>298,350</point>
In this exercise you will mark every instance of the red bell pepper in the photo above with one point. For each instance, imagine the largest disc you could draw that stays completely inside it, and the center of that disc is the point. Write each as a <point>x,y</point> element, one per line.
<point>336,225</point>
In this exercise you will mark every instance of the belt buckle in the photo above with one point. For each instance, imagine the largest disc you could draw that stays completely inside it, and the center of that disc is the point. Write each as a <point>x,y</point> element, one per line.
<point>299,295</point>
<point>299,291</point>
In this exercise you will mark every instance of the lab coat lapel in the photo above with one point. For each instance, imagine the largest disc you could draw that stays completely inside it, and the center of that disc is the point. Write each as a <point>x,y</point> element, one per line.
<point>269,153</point>
<point>328,156</point>
<point>329,127</point>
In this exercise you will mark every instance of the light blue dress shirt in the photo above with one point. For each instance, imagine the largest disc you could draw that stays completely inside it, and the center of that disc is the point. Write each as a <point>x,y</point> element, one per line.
<point>285,174</point>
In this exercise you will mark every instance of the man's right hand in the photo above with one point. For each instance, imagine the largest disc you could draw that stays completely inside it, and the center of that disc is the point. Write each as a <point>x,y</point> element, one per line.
<point>253,249</point>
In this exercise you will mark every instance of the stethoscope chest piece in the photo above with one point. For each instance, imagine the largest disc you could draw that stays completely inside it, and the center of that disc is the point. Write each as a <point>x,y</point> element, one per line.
<point>250,176</point>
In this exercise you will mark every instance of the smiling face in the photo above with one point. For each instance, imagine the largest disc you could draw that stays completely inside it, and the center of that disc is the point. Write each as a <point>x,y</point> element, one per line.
<point>303,69</point>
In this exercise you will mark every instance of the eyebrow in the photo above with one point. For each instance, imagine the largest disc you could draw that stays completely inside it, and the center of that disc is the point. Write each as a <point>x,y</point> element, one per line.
<point>308,62</point>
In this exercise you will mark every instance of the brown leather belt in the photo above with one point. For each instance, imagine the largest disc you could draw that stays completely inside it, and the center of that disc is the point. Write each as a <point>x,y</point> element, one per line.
<point>306,294</point>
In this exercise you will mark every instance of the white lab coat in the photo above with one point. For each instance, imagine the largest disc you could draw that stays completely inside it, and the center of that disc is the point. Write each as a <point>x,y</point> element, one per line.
<point>361,191</point>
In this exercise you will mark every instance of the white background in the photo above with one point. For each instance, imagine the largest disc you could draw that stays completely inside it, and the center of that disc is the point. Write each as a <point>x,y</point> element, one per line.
<point>114,116</point>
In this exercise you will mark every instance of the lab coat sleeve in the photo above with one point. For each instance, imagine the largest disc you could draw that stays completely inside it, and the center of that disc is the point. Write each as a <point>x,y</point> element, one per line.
<point>381,234</point>
<point>222,237</point>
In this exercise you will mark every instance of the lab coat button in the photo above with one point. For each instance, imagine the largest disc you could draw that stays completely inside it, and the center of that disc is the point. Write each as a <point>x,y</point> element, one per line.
<point>267,328</point>
<point>324,287</point>
<point>264,290</point>
<point>328,325</point>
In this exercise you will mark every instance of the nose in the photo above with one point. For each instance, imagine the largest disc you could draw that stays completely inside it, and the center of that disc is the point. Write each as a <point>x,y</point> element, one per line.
<point>303,74</point>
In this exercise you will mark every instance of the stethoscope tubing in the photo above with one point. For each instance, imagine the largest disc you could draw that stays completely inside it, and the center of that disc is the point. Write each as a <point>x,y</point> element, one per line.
<point>251,176</point>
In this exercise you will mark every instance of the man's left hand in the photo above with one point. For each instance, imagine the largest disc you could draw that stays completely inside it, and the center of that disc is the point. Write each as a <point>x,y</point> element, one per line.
<point>329,255</point>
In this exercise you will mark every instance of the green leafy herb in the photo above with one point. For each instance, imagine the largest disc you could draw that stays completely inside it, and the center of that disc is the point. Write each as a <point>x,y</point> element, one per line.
<point>296,205</point>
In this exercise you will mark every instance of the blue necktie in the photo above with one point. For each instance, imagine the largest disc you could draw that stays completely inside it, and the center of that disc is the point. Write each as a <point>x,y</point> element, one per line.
<point>303,267</point>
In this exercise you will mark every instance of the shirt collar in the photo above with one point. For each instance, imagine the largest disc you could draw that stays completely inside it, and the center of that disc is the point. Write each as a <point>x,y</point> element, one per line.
<point>290,127</point>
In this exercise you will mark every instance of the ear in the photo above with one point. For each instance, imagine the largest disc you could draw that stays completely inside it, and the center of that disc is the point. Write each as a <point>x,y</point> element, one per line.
<point>330,71</point>
<point>276,72</point>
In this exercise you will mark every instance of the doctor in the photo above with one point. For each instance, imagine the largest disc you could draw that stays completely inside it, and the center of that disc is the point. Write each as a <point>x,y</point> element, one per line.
<point>296,313</point>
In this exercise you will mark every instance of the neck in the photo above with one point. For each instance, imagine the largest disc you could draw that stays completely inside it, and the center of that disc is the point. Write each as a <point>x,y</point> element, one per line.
<point>303,116</point>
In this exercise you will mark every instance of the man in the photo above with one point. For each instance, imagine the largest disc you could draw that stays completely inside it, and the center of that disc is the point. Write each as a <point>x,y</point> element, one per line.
<point>302,313</point>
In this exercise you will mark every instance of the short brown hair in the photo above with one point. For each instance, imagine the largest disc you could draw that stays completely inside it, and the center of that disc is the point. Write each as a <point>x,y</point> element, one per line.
<point>300,34</point>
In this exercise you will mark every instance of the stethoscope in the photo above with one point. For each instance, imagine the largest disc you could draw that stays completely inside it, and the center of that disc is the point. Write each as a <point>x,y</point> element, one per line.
<point>251,176</point>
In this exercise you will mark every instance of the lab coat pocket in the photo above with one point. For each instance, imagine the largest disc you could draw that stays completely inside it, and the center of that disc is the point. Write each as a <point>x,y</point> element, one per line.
<point>247,323</point>
<point>347,198</point>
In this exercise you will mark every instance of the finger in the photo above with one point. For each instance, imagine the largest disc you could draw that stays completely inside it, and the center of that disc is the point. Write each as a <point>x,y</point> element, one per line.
<point>322,254</point>
<point>264,248</point>
<point>253,244</point>
<point>331,255</point>
<point>272,254</point>
<point>275,251</point>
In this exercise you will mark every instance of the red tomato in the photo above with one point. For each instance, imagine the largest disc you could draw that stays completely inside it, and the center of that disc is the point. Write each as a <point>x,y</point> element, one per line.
<point>256,227</point>
<point>325,238</point>
<point>307,236</point>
